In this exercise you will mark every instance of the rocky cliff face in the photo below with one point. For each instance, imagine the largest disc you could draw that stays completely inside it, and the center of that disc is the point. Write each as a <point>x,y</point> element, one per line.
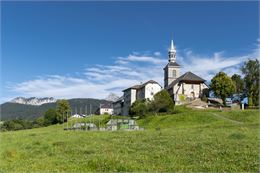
<point>112,97</point>
<point>33,100</point>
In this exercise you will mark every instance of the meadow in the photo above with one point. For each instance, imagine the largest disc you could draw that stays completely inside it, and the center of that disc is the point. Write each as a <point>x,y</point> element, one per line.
<point>188,141</point>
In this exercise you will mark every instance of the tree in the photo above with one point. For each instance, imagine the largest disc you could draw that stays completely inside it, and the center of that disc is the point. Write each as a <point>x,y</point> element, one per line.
<point>251,79</point>
<point>17,124</point>
<point>239,83</point>
<point>39,122</point>
<point>51,116</point>
<point>63,108</point>
<point>162,102</point>
<point>139,107</point>
<point>222,86</point>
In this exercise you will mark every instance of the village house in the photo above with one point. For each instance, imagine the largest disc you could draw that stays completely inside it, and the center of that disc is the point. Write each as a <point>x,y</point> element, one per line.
<point>144,91</point>
<point>106,109</point>
<point>184,87</point>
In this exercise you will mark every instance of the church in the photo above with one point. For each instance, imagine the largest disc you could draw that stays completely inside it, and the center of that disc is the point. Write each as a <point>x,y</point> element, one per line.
<point>181,88</point>
<point>184,87</point>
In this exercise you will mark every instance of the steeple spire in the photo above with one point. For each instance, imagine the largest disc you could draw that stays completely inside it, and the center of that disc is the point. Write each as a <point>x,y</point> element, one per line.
<point>172,52</point>
<point>172,45</point>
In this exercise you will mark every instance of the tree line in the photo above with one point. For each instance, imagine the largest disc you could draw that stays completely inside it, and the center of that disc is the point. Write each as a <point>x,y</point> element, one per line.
<point>51,116</point>
<point>224,86</point>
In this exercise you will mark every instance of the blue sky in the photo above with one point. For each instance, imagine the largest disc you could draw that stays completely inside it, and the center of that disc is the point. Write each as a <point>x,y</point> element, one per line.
<point>89,49</point>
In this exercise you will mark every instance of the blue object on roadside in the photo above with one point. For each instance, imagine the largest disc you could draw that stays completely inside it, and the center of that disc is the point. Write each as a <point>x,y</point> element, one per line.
<point>245,100</point>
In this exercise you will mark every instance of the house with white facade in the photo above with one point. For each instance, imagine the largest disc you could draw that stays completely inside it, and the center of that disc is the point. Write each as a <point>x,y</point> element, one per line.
<point>106,109</point>
<point>77,116</point>
<point>184,87</point>
<point>144,91</point>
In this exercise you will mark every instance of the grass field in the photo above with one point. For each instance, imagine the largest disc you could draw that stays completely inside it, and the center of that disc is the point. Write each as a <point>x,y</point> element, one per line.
<point>190,141</point>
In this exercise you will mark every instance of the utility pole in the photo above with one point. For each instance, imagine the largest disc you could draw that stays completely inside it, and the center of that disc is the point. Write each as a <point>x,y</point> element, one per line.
<point>86,110</point>
<point>71,116</point>
<point>63,120</point>
<point>90,113</point>
<point>67,121</point>
<point>99,116</point>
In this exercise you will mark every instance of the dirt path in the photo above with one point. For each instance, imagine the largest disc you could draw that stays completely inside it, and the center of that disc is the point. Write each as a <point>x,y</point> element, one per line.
<point>227,119</point>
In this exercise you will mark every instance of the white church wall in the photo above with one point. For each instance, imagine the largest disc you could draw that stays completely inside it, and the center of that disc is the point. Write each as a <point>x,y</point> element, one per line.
<point>133,96</point>
<point>189,89</point>
<point>151,89</point>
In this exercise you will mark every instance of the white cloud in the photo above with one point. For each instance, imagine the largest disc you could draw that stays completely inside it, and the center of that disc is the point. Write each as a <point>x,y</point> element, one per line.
<point>208,66</point>
<point>157,53</point>
<point>98,81</point>
<point>146,59</point>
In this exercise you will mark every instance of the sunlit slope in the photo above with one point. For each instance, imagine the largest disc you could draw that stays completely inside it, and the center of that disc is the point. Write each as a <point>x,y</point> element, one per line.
<point>187,141</point>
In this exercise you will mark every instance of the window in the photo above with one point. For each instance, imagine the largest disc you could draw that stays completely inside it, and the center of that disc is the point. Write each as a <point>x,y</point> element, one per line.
<point>192,86</point>
<point>171,55</point>
<point>174,73</point>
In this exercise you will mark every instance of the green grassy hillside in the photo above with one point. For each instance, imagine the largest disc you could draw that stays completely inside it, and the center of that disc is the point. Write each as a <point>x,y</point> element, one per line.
<point>190,141</point>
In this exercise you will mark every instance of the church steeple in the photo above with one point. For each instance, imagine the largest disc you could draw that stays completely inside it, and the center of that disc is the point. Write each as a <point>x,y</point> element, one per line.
<point>172,53</point>
<point>172,69</point>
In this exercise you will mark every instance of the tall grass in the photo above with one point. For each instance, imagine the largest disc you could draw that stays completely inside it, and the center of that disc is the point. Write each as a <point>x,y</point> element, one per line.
<point>189,141</point>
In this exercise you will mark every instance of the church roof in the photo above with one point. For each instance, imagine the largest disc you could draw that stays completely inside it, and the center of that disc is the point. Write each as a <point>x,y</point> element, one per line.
<point>188,76</point>
<point>142,85</point>
<point>150,81</point>
<point>174,64</point>
<point>106,106</point>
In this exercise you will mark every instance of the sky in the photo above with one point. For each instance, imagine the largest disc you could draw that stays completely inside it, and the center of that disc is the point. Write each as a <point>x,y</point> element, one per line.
<point>90,49</point>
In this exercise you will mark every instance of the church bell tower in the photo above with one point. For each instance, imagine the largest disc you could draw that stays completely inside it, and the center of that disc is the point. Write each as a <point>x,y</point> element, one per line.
<point>172,69</point>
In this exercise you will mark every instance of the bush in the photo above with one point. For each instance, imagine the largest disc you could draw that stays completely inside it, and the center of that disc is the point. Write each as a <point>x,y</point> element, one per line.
<point>51,116</point>
<point>139,108</point>
<point>17,124</point>
<point>39,122</point>
<point>162,102</point>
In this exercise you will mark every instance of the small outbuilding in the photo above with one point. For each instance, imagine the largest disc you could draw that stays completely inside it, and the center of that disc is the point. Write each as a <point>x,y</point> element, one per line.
<point>106,109</point>
<point>85,126</point>
<point>122,124</point>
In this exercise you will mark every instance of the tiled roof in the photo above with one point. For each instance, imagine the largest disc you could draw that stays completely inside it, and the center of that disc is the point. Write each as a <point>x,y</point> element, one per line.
<point>189,76</point>
<point>175,64</point>
<point>107,106</point>
<point>142,85</point>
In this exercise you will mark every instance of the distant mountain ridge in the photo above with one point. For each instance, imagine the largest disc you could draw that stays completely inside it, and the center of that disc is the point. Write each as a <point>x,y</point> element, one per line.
<point>33,100</point>
<point>112,97</point>
<point>14,110</point>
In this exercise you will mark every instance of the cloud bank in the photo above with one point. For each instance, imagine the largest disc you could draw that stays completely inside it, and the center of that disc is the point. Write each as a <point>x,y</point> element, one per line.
<point>99,80</point>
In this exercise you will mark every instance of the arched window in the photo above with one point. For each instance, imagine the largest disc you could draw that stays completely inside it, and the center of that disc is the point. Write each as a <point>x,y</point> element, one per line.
<point>174,73</point>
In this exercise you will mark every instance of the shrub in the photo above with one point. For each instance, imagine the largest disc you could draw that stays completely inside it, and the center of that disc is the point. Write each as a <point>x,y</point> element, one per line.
<point>162,102</point>
<point>51,116</point>
<point>139,108</point>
